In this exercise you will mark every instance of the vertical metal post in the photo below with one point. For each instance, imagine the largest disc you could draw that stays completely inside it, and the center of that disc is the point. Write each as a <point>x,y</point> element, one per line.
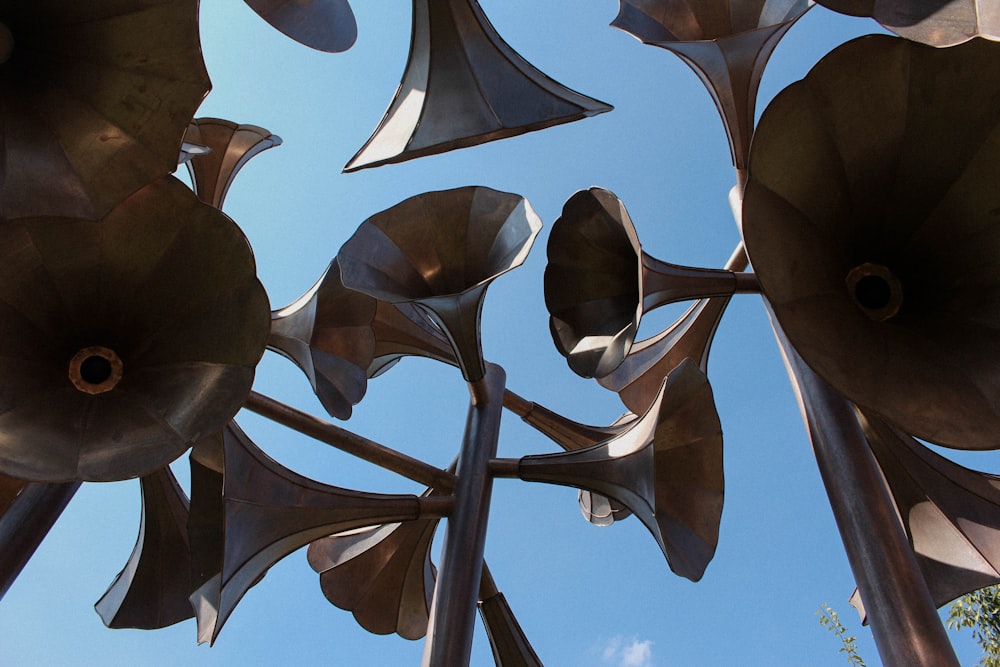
<point>453,610</point>
<point>904,620</point>
<point>26,521</point>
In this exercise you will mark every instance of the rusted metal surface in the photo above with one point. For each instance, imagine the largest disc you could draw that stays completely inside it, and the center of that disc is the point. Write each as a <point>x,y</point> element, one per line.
<point>324,25</point>
<point>82,126</point>
<point>458,61</point>
<point>328,334</point>
<point>225,148</point>
<point>598,282</point>
<point>165,283</point>
<point>440,251</point>
<point>726,42</point>
<point>898,173</point>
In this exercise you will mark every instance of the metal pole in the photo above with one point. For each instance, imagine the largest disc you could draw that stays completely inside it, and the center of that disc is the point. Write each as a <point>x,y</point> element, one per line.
<point>904,620</point>
<point>453,610</point>
<point>26,521</point>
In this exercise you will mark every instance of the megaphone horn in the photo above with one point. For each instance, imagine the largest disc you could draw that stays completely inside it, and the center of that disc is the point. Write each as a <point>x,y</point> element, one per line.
<point>666,468</point>
<point>152,589</point>
<point>324,25</point>
<point>230,146</point>
<point>507,640</point>
<point>440,251</point>
<point>464,86</point>
<point>598,282</point>
<point>268,511</point>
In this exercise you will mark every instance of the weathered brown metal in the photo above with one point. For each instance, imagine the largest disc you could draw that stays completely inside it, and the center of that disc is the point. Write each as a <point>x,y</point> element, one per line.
<point>440,251</point>
<point>268,511</point>
<point>637,380</point>
<point>165,283</point>
<point>324,25</point>
<point>383,575</point>
<point>328,334</point>
<point>229,146</point>
<point>598,282</point>
<point>28,510</point>
<point>666,468</point>
<point>453,609</point>
<point>905,624</point>
<point>464,86</point>
<point>726,42</point>
<point>951,514</point>
<point>87,120</point>
<point>932,22</point>
<point>898,173</point>
<point>152,589</point>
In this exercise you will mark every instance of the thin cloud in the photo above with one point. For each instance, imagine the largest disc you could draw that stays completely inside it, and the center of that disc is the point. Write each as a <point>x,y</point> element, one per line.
<point>628,652</point>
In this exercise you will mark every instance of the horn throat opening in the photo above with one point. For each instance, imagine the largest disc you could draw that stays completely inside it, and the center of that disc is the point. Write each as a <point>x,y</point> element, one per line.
<point>95,370</point>
<point>876,290</point>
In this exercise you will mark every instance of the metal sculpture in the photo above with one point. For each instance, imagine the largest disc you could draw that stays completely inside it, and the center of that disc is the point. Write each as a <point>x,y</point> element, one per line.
<point>666,468</point>
<point>152,589</point>
<point>726,42</point>
<point>225,147</point>
<point>135,336</point>
<point>933,22</point>
<point>895,178</point>
<point>458,61</point>
<point>328,334</point>
<point>87,120</point>
<point>598,282</point>
<point>324,25</point>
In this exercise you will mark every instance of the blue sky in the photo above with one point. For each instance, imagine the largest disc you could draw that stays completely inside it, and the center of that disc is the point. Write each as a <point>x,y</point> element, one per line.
<point>584,595</point>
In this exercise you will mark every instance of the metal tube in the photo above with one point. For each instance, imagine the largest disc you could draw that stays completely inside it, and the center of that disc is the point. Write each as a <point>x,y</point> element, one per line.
<point>453,610</point>
<point>25,523</point>
<point>904,621</point>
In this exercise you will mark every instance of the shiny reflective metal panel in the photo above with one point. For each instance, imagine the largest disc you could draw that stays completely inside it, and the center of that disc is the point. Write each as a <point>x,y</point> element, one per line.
<point>225,147</point>
<point>898,173</point>
<point>458,61</point>
<point>325,25</point>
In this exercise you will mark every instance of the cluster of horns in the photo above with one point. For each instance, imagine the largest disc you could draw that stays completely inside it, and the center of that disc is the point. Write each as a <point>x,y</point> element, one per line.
<point>134,320</point>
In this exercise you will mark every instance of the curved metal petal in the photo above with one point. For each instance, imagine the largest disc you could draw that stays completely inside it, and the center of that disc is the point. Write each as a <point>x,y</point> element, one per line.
<point>932,22</point>
<point>223,148</point>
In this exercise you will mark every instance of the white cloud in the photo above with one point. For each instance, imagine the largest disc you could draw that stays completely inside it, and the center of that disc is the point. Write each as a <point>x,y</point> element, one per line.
<point>628,652</point>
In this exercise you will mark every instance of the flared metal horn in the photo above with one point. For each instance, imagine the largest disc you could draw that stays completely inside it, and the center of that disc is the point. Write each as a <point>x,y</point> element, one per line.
<point>598,282</point>
<point>229,146</point>
<point>951,514</point>
<point>464,86</point>
<point>97,123</point>
<point>870,223</point>
<point>324,25</point>
<point>726,42</point>
<point>932,22</point>
<point>328,334</point>
<point>268,511</point>
<point>440,251</point>
<point>402,330</point>
<point>126,339</point>
<point>666,468</point>
<point>568,434</point>
<point>637,380</point>
<point>383,575</point>
<point>152,589</point>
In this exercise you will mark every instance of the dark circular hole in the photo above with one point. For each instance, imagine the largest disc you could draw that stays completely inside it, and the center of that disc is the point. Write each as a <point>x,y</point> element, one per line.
<point>95,369</point>
<point>873,292</point>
